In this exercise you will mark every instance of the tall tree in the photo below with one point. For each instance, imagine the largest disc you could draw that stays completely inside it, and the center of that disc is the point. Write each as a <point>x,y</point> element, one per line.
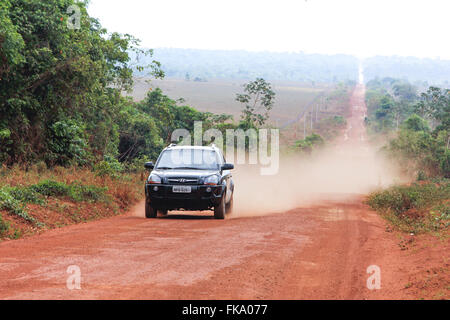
<point>53,73</point>
<point>258,100</point>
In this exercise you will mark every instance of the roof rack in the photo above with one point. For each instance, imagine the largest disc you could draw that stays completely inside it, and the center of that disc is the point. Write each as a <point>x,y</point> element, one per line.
<point>172,145</point>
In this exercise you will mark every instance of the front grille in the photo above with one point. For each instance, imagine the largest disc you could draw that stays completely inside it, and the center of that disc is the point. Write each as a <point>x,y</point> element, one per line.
<point>182,180</point>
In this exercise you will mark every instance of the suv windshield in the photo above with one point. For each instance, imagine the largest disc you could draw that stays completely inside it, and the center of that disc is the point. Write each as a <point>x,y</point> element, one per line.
<point>195,159</point>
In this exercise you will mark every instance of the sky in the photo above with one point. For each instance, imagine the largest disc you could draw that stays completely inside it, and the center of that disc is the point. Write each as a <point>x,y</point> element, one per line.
<point>362,28</point>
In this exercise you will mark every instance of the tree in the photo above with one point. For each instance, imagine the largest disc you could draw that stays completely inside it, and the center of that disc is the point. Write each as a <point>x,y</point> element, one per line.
<point>258,99</point>
<point>416,123</point>
<point>435,106</point>
<point>50,73</point>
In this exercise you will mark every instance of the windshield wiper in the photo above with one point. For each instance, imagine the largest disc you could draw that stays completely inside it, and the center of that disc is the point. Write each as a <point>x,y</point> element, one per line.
<point>163,168</point>
<point>191,168</point>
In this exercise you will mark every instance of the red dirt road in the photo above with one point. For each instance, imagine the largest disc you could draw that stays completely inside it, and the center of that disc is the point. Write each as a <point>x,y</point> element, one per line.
<point>316,252</point>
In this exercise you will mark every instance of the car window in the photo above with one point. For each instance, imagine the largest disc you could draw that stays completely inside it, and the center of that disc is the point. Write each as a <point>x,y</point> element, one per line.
<point>185,158</point>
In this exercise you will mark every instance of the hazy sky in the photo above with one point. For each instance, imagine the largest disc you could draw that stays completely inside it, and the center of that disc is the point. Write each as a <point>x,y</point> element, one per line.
<point>359,27</point>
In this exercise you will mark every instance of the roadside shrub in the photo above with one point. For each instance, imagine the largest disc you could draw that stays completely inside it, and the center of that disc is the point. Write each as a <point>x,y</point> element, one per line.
<point>108,167</point>
<point>310,143</point>
<point>87,193</point>
<point>415,208</point>
<point>15,206</point>
<point>137,164</point>
<point>76,192</point>
<point>68,143</point>
<point>440,217</point>
<point>26,195</point>
<point>4,227</point>
<point>51,188</point>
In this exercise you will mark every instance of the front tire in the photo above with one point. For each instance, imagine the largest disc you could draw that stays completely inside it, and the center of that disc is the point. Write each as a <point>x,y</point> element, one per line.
<point>229,205</point>
<point>162,212</point>
<point>150,212</point>
<point>219,211</point>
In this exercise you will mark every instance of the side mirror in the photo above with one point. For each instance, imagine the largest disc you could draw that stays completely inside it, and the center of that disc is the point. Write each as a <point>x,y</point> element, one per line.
<point>149,165</point>
<point>227,166</point>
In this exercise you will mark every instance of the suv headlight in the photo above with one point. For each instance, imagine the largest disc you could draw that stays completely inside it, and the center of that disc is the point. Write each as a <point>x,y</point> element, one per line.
<point>211,180</point>
<point>154,179</point>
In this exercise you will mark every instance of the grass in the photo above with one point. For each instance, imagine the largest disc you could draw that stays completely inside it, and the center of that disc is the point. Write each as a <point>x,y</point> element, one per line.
<point>35,199</point>
<point>4,227</point>
<point>416,208</point>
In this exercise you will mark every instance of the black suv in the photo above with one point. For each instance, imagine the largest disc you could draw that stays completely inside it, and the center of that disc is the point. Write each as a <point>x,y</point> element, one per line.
<point>189,178</point>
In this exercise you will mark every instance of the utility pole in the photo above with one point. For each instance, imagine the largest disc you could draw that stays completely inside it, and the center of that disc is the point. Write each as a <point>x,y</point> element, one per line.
<point>304,126</point>
<point>317,111</point>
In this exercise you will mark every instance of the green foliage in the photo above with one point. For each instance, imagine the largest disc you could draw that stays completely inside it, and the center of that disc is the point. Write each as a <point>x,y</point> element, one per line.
<point>258,100</point>
<point>415,208</point>
<point>389,102</point>
<point>15,199</point>
<point>14,205</point>
<point>109,167</point>
<point>310,143</point>
<point>26,195</point>
<point>422,142</point>
<point>434,105</point>
<point>75,192</point>
<point>421,150</point>
<point>67,143</point>
<point>11,42</point>
<point>60,87</point>
<point>137,164</point>
<point>330,127</point>
<point>4,227</point>
<point>416,123</point>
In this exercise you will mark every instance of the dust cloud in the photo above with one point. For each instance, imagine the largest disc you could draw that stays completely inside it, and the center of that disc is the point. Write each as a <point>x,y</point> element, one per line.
<point>335,173</point>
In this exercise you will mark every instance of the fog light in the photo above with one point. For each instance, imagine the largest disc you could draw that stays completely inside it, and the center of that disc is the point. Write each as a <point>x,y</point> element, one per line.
<point>155,188</point>
<point>208,189</point>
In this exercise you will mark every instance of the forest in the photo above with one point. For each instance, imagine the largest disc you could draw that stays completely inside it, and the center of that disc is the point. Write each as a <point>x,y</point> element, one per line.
<point>200,65</point>
<point>415,121</point>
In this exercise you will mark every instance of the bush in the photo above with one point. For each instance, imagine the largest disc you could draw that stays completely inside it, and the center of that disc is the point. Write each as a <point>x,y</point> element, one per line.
<point>309,143</point>
<point>137,164</point>
<point>415,208</point>
<point>68,143</point>
<point>76,192</point>
<point>51,188</point>
<point>108,167</point>
<point>87,193</point>
<point>15,206</point>
<point>4,227</point>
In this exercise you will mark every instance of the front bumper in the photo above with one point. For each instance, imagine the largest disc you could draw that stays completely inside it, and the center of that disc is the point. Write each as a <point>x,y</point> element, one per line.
<point>198,199</point>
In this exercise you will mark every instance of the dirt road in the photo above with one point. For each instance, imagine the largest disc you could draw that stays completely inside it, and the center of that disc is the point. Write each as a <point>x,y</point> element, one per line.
<point>317,252</point>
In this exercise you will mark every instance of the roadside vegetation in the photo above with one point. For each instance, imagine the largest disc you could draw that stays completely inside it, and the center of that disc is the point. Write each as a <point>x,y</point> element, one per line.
<point>417,128</point>
<point>324,121</point>
<point>35,200</point>
<point>416,208</point>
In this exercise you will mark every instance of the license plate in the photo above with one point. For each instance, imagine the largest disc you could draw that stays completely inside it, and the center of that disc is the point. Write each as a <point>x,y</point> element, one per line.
<point>181,189</point>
